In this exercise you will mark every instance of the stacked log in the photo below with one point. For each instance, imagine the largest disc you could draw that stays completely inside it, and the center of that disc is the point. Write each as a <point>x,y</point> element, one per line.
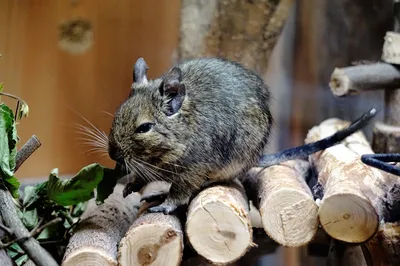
<point>352,200</point>
<point>96,238</point>
<point>288,211</point>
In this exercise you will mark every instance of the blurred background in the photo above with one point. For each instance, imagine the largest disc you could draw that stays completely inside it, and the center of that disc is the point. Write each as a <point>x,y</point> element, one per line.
<point>72,60</point>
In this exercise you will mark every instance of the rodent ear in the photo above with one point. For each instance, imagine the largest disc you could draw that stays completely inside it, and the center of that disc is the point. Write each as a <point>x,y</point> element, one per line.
<point>140,71</point>
<point>173,91</point>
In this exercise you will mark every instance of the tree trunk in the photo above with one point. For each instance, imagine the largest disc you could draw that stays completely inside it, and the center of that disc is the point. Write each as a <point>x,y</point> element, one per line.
<point>240,30</point>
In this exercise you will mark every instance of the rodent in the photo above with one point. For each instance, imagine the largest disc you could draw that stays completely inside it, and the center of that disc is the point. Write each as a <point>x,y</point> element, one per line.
<point>205,120</point>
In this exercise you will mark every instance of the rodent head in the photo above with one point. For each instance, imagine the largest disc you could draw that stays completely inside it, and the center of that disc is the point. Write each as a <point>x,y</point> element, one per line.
<point>143,126</point>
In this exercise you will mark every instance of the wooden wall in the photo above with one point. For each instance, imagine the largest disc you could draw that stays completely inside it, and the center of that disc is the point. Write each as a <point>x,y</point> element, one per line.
<point>56,83</point>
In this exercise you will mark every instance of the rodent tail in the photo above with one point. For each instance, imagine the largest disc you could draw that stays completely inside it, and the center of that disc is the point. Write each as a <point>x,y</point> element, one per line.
<point>307,149</point>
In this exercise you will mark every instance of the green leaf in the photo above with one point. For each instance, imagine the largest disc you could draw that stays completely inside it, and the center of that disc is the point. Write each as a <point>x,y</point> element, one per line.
<point>13,184</point>
<point>14,250</point>
<point>34,193</point>
<point>21,260</point>
<point>79,188</point>
<point>8,149</point>
<point>107,184</point>
<point>1,87</point>
<point>30,219</point>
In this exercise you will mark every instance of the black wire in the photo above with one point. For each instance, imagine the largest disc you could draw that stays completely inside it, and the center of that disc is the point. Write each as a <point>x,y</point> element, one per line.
<point>381,161</point>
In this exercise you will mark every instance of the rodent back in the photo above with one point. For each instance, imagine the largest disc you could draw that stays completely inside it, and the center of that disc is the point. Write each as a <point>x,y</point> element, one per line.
<point>227,109</point>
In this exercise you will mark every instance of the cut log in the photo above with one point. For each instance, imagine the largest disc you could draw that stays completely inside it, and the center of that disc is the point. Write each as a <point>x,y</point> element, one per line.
<point>153,239</point>
<point>391,49</point>
<point>96,237</point>
<point>384,248</point>
<point>386,138</point>
<point>341,253</point>
<point>353,192</point>
<point>353,80</point>
<point>288,211</point>
<point>218,223</point>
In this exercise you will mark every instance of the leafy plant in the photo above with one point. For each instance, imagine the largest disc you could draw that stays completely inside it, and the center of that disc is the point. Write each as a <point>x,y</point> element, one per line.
<point>56,204</point>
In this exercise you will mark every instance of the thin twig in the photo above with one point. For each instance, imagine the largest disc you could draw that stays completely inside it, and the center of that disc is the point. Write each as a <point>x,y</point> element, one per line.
<point>37,226</point>
<point>6,229</point>
<point>29,147</point>
<point>40,229</point>
<point>33,233</point>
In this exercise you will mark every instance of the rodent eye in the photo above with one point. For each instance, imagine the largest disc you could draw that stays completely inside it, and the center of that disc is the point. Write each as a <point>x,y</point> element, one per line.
<point>143,128</point>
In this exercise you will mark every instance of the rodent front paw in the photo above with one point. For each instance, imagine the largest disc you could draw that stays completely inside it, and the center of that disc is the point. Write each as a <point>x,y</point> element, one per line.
<point>164,208</point>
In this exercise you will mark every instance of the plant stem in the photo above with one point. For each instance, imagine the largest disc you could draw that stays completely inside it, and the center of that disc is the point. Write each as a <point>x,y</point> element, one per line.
<point>29,147</point>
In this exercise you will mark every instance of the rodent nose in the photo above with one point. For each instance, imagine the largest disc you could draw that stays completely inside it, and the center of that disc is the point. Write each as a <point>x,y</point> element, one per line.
<point>115,153</point>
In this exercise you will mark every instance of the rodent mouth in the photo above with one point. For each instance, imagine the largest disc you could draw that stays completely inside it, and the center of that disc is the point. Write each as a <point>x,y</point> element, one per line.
<point>155,161</point>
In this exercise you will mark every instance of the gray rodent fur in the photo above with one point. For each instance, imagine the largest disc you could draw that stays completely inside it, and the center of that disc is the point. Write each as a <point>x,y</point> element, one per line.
<point>204,120</point>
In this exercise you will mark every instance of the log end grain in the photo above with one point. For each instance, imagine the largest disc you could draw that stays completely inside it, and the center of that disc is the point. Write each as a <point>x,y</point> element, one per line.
<point>218,225</point>
<point>290,217</point>
<point>340,83</point>
<point>391,48</point>
<point>153,239</point>
<point>89,256</point>
<point>288,211</point>
<point>348,217</point>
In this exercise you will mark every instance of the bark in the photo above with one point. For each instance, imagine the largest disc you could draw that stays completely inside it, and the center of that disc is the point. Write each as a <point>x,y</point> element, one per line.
<point>353,192</point>
<point>102,227</point>
<point>244,31</point>
<point>5,260</point>
<point>218,223</point>
<point>31,246</point>
<point>384,248</point>
<point>386,138</point>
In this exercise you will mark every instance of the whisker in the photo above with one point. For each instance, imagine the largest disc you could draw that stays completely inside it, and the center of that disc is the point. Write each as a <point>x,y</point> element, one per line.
<point>92,143</point>
<point>108,113</point>
<point>90,123</point>
<point>89,132</point>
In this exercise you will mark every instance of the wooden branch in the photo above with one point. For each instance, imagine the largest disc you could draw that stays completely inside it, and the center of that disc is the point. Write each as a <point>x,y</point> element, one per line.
<point>96,238</point>
<point>29,147</point>
<point>153,239</point>
<point>353,80</point>
<point>353,192</point>
<point>218,223</point>
<point>5,260</point>
<point>288,211</point>
<point>30,245</point>
<point>244,31</point>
